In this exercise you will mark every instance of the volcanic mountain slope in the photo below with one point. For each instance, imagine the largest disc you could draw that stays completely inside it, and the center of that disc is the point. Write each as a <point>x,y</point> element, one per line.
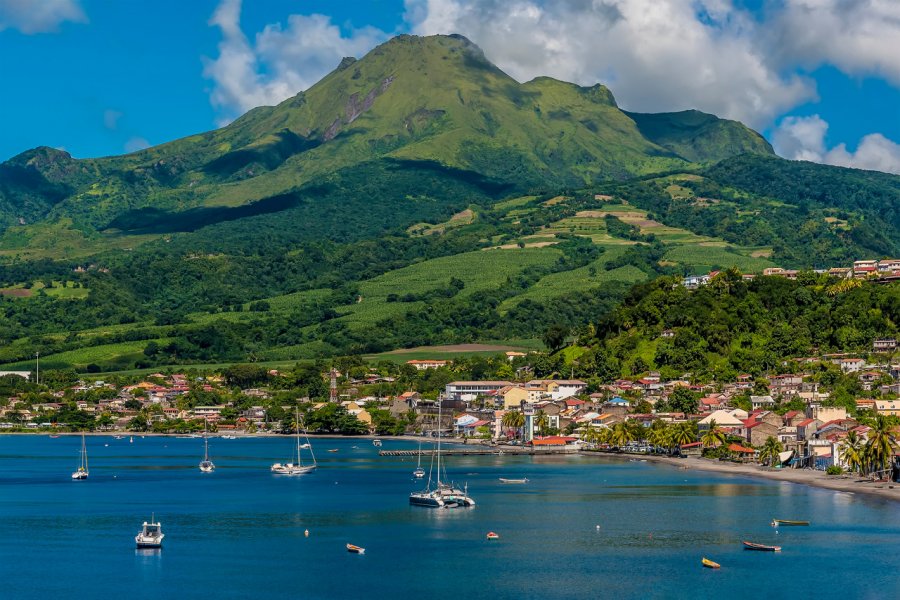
<point>435,104</point>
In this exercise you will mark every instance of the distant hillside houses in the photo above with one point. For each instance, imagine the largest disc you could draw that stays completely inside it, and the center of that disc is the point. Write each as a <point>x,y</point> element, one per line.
<point>886,269</point>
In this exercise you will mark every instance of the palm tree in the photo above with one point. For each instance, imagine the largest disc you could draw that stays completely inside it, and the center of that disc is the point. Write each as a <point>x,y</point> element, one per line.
<point>621,434</point>
<point>660,434</point>
<point>770,450</point>
<point>714,436</point>
<point>542,421</point>
<point>684,433</point>
<point>514,420</point>
<point>881,445</point>
<point>852,452</point>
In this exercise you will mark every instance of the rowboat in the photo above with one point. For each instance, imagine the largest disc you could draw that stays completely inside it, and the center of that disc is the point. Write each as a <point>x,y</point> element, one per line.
<point>777,522</point>
<point>763,547</point>
<point>710,564</point>
<point>355,549</point>
<point>505,480</point>
<point>492,536</point>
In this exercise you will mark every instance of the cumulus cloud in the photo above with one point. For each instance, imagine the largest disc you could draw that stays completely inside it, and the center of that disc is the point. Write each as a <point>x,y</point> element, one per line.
<point>860,37</point>
<point>136,143</point>
<point>282,61</point>
<point>656,55</point>
<point>803,138</point>
<point>41,16</point>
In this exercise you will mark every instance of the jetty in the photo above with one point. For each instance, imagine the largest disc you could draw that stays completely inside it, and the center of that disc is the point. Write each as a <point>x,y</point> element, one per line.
<point>485,451</point>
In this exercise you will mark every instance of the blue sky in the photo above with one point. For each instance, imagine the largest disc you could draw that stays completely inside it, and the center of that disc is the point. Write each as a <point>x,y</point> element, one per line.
<point>820,78</point>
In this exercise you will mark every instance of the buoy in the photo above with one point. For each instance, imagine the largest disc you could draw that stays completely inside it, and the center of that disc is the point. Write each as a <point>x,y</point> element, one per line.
<point>306,533</point>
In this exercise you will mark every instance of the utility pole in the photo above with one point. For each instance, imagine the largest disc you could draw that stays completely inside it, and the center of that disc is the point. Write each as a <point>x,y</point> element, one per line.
<point>37,376</point>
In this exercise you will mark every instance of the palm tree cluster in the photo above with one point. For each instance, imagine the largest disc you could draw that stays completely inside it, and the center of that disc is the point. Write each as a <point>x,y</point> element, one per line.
<point>513,421</point>
<point>873,455</point>
<point>659,434</point>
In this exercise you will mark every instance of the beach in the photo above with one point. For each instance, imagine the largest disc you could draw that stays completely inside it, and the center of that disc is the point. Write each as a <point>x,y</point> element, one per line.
<point>851,484</point>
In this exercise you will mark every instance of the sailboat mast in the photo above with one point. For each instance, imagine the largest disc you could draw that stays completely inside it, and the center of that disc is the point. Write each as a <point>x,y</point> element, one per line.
<point>83,453</point>
<point>297,419</point>
<point>439,444</point>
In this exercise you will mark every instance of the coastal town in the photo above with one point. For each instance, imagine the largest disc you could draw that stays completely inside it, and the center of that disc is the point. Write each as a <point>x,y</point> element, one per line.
<point>786,420</point>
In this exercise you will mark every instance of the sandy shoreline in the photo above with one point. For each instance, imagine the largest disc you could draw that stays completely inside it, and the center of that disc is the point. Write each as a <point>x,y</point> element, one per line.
<point>850,484</point>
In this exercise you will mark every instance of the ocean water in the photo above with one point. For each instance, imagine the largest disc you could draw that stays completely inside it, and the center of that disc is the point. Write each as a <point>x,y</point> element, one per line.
<point>583,527</point>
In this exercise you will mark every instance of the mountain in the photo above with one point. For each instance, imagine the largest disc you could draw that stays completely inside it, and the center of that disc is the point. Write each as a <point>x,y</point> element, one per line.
<point>416,196</point>
<point>433,103</point>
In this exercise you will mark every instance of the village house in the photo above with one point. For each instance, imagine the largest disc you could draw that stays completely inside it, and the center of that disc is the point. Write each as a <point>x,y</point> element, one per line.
<point>785,385</point>
<point>884,345</point>
<point>467,391</point>
<point>512,396</point>
<point>849,365</point>
<point>421,365</point>
<point>762,402</point>
<point>757,432</point>
<point>887,407</point>
<point>868,378</point>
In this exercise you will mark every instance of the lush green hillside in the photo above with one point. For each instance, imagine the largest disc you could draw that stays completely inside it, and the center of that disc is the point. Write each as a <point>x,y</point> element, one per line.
<point>416,196</point>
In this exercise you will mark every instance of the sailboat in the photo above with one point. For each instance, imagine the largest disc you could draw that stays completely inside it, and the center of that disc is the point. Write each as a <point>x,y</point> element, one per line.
<point>419,473</point>
<point>82,471</point>
<point>206,465</point>
<point>296,468</point>
<point>442,494</point>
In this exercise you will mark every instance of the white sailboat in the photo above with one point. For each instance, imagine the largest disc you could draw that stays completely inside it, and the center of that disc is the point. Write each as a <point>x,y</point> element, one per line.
<point>419,473</point>
<point>206,465</point>
<point>82,471</point>
<point>297,468</point>
<point>443,494</point>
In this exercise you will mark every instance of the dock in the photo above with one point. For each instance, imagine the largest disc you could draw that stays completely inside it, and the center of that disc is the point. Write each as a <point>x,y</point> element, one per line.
<point>487,451</point>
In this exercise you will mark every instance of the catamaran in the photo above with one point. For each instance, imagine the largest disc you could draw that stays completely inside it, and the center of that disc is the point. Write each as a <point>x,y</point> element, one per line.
<point>82,471</point>
<point>442,494</point>
<point>206,465</point>
<point>297,468</point>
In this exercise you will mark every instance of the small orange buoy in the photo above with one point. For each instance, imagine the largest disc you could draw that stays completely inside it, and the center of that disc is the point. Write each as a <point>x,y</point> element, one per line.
<point>492,536</point>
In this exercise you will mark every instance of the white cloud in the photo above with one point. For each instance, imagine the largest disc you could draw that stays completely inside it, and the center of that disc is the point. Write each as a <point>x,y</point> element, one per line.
<point>860,37</point>
<point>111,118</point>
<point>655,55</point>
<point>136,143</point>
<point>803,138</point>
<point>283,61</point>
<point>39,16</point>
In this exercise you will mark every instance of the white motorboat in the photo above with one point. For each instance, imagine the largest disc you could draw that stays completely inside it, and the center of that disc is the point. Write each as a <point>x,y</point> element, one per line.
<point>150,535</point>
<point>82,471</point>
<point>297,468</point>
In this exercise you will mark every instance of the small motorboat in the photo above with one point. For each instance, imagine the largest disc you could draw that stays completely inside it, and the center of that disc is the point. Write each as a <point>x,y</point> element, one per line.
<point>355,549</point>
<point>505,480</point>
<point>150,535</point>
<point>333,449</point>
<point>777,522</point>
<point>54,435</point>
<point>419,473</point>
<point>376,443</point>
<point>710,564</point>
<point>492,536</point>
<point>761,547</point>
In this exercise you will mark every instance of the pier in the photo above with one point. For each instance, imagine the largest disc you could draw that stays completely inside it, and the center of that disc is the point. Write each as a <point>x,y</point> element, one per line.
<point>476,452</point>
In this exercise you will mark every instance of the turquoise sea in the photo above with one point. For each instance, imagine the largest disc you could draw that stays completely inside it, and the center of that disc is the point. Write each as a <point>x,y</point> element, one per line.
<point>583,527</point>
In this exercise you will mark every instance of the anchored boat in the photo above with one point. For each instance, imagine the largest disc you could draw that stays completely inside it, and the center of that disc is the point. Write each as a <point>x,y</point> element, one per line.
<point>355,549</point>
<point>82,471</point>
<point>710,564</point>
<point>296,468</point>
<point>762,547</point>
<point>777,522</point>
<point>150,535</point>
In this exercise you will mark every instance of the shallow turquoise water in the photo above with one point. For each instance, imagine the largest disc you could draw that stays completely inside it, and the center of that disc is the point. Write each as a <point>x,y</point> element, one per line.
<point>238,533</point>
